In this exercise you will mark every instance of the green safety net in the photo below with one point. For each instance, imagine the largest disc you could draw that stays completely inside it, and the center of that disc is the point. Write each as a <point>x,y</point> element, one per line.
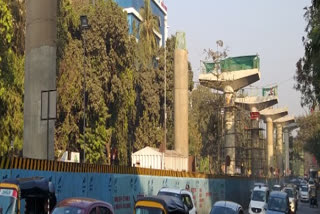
<point>234,64</point>
<point>181,41</point>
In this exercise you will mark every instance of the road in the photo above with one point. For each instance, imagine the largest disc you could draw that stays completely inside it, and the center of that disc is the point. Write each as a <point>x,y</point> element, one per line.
<point>304,208</point>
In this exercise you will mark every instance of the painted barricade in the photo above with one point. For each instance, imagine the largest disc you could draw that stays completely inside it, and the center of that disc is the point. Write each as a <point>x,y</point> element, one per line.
<point>122,186</point>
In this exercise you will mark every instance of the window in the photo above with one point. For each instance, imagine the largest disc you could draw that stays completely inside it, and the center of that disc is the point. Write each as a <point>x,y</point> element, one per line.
<point>94,211</point>
<point>186,199</point>
<point>104,210</point>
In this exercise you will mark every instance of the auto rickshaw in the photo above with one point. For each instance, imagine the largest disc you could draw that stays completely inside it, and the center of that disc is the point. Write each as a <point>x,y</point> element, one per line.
<point>313,196</point>
<point>161,204</point>
<point>38,193</point>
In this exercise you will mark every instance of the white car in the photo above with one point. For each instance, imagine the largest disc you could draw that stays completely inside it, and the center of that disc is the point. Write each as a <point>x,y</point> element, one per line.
<point>182,194</point>
<point>292,198</point>
<point>304,193</point>
<point>258,200</point>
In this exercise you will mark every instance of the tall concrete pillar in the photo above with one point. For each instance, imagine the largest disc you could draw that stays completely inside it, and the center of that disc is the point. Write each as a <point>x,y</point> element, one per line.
<point>270,116</point>
<point>40,75</point>
<point>181,139</point>
<point>280,123</point>
<point>286,149</point>
<point>287,130</point>
<point>255,147</point>
<point>230,138</point>
<point>270,142</point>
<point>279,148</point>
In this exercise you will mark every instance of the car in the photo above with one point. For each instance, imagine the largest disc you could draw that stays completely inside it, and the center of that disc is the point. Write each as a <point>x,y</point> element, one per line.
<point>160,204</point>
<point>276,187</point>
<point>311,183</point>
<point>228,207</point>
<point>183,194</point>
<point>304,193</point>
<point>278,203</point>
<point>292,198</point>
<point>258,200</point>
<point>83,206</point>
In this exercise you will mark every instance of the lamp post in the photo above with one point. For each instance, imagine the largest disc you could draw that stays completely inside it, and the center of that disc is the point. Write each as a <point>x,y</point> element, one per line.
<point>84,25</point>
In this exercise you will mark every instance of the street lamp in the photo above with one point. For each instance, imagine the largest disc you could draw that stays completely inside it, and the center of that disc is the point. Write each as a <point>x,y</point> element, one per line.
<point>84,25</point>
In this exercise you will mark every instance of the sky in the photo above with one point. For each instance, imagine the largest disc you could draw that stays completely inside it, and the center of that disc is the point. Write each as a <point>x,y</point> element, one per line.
<point>273,29</point>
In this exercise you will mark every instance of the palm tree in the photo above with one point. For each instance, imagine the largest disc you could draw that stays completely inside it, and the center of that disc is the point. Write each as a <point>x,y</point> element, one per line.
<point>147,27</point>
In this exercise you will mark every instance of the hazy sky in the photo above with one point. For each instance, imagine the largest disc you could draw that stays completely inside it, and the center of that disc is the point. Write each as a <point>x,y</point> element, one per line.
<point>271,28</point>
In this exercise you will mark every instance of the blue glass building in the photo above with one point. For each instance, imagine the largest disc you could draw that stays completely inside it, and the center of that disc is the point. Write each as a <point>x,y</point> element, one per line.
<point>132,7</point>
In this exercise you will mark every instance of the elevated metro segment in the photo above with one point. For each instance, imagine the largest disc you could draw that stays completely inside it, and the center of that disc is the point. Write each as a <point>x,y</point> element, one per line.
<point>257,148</point>
<point>228,76</point>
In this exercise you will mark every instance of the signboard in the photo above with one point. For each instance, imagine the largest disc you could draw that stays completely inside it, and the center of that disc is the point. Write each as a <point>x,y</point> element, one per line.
<point>8,193</point>
<point>271,91</point>
<point>254,115</point>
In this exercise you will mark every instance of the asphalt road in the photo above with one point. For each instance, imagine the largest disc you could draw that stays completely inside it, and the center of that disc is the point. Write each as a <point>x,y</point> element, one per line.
<point>304,208</point>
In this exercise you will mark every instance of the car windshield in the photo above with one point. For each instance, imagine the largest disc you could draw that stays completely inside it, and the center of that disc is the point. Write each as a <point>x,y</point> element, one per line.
<point>277,204</point>
<point>304,189</point>
<point>170,194</point>
<point>258,196</point>
<point>289,192</point>
<point>7,201</point>
<point>222,210</point>
<point>148,210</point>
<point>68,210</point>
<point>311,182</point>
<point>276,188</point>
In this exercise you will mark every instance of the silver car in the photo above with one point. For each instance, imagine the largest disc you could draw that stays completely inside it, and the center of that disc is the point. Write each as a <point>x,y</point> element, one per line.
<point>304,193</point>
<point>226,207</point>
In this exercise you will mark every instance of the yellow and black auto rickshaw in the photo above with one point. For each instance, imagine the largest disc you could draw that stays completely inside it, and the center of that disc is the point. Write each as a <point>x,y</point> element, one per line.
<point>38,193</point>
<point>161,204</point>
<point>313,197</point>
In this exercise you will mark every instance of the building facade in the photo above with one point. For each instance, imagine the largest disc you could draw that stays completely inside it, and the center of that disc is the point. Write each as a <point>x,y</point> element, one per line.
<point>132,7</point>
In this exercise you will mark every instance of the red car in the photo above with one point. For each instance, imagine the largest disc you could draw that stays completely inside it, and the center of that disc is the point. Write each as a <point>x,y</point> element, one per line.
<point>83,206</point>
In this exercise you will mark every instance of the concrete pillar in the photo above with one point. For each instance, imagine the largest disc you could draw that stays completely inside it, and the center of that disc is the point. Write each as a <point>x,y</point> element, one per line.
<point>279,148</point>
<point>255,151</point>
<point>286,147</point>
<point>40,75</point>
<point>230,138</point>
<point>181,138</point>
<point>270,143</point>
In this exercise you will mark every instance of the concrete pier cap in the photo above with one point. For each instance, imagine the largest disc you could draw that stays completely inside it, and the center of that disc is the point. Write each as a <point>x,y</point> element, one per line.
<point>235,79</point>
<point>272,114</point>
<point>256,103</point>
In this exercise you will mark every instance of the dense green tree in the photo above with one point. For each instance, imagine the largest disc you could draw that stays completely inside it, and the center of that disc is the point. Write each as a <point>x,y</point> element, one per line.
<point>308,135</point>
<point>206,111</point>
<point>147,27</point>
<point>109,80</point>
<point>11,82</point>
<point>308,67</point>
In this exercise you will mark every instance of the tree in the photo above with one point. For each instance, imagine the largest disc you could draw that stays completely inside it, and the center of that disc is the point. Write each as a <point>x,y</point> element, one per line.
<point>109,83</point>
<point>11,83</point>
<point>308,135</point>
<point>147,27</point>
<point>308,67</point>
<point>205,111</point>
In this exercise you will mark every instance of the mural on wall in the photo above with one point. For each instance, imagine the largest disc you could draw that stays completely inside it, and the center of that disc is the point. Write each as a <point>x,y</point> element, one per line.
<point>122,190</point>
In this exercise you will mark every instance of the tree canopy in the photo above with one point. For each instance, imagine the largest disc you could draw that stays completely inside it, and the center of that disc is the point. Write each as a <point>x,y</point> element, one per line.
<point>308,67</point>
